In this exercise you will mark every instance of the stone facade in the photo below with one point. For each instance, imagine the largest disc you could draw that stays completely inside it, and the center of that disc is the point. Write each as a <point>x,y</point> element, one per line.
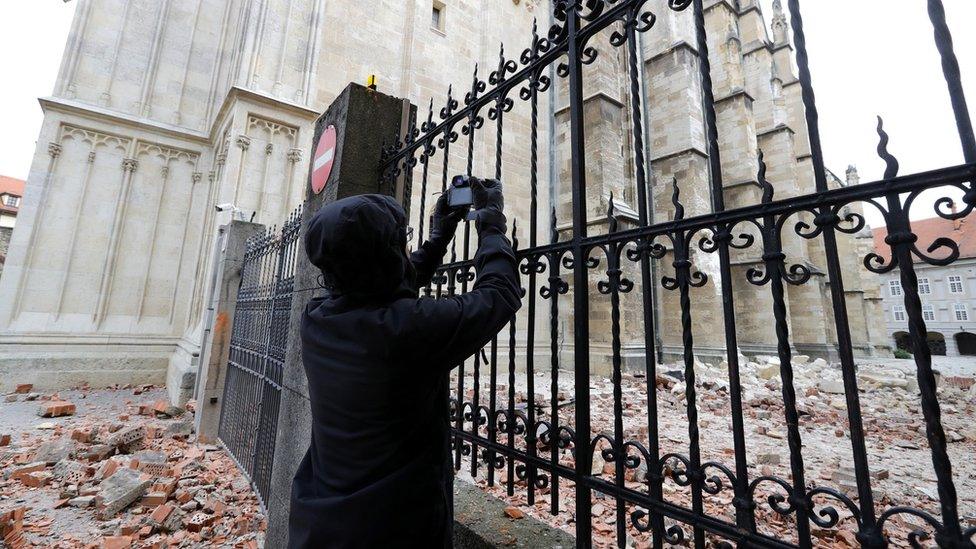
<point>948,307</point>
<point>164,109</point>
<point>758,106</point>
<point>5,234</point>
<point>947,293</point>
<point>11,194</point>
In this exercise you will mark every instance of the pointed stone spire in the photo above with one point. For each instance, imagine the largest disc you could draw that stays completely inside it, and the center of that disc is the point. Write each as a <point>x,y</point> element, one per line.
<point>852,176</point>
<point>780,26</point>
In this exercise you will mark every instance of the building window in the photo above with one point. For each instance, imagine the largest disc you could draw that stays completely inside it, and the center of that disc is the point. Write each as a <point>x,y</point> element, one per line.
<point>928,313</point>
<point>899,313</point>
<point>955,284</point>
<point>894,288</point>
<point>437,17</point>
<point>12,201</point>
<point>924,287</point>
<point>962,312</point>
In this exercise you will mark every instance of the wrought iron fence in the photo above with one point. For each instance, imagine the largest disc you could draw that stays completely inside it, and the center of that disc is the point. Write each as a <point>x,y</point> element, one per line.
<point>252,393</point>
<point>517,445</point>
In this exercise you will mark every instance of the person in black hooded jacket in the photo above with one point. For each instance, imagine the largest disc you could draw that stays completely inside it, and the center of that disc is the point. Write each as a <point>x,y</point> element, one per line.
<point>377,472</point>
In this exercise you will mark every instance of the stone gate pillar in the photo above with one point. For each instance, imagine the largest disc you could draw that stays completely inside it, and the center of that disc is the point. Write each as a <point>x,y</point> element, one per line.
<point>364,121</point>
<point>232,241</point>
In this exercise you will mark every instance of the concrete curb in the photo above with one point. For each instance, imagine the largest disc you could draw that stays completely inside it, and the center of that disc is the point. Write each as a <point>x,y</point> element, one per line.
<point>480,523</point>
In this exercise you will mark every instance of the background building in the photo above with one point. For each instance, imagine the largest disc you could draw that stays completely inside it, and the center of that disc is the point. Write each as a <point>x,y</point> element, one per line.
<point>11,193</point>
<point>948,293</point>
<point>165,108</point>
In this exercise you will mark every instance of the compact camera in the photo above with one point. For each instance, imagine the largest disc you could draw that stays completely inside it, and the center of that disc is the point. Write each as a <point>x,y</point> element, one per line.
<point>459,195</point>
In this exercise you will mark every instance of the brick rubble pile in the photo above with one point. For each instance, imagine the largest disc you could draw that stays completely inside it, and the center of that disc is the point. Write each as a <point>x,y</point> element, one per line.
<point>122,472</point>
<point>899,457</point>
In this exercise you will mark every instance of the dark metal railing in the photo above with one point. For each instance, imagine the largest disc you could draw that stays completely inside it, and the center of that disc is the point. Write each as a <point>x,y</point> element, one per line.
<point>512,442</point>
<point>252,391</point>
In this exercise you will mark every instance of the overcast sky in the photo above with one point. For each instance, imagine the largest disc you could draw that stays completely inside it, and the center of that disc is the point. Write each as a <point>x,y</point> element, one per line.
<point>868,57</point>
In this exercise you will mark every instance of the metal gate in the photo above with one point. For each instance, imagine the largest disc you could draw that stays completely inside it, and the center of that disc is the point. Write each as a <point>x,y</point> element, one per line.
<point>510,443</point>
<point>252,393</point>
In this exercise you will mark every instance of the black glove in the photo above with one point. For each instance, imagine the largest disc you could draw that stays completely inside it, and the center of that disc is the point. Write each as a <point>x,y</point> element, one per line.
<point>489,205</point>
<point>443,222</point>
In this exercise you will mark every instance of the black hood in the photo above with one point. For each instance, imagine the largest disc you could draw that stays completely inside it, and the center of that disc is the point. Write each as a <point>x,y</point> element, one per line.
<point>359,243</point>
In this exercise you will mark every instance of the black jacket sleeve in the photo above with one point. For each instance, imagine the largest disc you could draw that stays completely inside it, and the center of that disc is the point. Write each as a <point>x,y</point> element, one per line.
<point>446,331</point>
<point>425,261</point>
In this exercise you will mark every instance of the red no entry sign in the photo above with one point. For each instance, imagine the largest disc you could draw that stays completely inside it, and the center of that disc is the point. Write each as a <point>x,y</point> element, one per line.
<point>323,159</point>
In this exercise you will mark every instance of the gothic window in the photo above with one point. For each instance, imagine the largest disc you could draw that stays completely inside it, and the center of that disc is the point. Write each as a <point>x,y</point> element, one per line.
<point>955,284</point>
<point>894,288</point>
<point>962,312</point>
<point>898,312</point>
<point>928,313</point>
<point>924,287</point>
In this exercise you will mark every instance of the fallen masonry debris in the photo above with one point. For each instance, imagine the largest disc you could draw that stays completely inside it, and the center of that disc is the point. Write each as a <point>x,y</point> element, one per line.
<point>125,486</point>
<point>98,474</point>
<point>56,408</point>
<point>900,463</point>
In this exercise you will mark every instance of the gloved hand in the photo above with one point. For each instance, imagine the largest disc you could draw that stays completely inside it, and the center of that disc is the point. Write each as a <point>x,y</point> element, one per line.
<point>489,205</point>
<point>443,222</point>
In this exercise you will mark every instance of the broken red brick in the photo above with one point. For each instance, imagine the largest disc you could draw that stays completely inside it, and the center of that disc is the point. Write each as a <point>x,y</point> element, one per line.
<point>56,408</point>
<point>167,486</point>
<point>99,452</point>
<point>15,539</point>
<point>24,388</point>
<point>219,507</point>
<point>5,439</point>
<point>198,521</point>
<point>117,542</point>
<point>129,439</point>
<point>83,435</point>
<point>36,479</point>
<point>152,499</point>
<point>960,382</point>
<point>161,513</point>
<point>11,528</point>
<point>514,512</point>
<point>22,471</point>
<point>160,406</point>
<point>155,469</point>
<point>108,468</point>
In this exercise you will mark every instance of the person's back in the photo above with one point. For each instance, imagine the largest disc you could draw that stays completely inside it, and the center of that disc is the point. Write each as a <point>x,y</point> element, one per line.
<point>377,473</point>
